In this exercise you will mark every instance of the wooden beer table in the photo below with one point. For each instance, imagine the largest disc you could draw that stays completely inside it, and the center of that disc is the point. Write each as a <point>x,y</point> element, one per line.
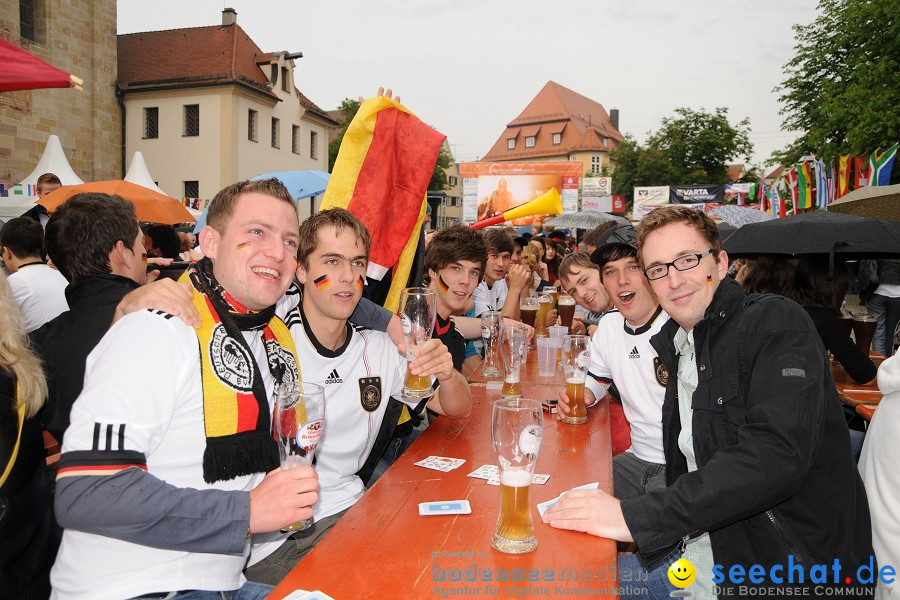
<point>382,548</point>
<point>851,393</point>
<point>527,374</point>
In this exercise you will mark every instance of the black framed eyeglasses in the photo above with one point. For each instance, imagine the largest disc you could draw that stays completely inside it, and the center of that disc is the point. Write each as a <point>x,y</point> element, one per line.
<point>682,263</point>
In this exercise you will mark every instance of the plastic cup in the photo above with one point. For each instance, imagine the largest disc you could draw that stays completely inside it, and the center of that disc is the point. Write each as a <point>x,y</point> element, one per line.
<point>546,351</point>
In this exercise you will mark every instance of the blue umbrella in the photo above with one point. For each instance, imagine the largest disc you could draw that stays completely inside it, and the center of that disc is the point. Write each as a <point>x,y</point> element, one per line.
<point>301,184</point>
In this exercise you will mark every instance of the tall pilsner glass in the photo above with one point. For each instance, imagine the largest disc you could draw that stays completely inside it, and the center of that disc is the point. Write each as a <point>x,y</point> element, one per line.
<point>491,322</point>
<point>512,343</point>
<point>299,423</point>
<point>417,315</point>
<point>517,427</point>
<point>545,304</point>
<point>576,358</point>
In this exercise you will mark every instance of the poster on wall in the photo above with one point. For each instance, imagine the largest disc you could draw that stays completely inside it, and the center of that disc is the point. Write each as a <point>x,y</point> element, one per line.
<point>647,199</point>
<point>492,188</point>
<point>607,204</point>
<point>596,186</point>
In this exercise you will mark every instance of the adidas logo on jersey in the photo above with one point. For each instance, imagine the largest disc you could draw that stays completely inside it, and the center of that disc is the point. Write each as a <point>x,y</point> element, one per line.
<point>333,377</point>
<point>634,353</point>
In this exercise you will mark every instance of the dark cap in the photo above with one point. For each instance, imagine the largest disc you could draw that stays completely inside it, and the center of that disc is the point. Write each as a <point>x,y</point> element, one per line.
<point>521,240</point>
<point>623,235</point>
<point>557,235</point>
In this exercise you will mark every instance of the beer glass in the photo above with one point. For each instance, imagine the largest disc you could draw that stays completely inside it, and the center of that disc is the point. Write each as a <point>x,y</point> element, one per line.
<point>417,315</point>
<point>299,423</point>
<point>512,342</point>
<point>545,303</point>
<point>576,358</point>
<point>566,306</point>
<point>528,307</point>
<point>864,330</point>
<point>517,426</point>
<point>490,337</point>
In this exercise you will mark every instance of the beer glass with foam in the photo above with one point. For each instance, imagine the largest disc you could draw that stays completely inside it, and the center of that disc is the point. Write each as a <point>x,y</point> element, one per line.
<point>517,427</point>
<point>566,306</point>
<point>417,315</point>
<point>512,342</point>
<point>545,305</point>
<point>490,338</point>
<point>299,423</point>
<point>576,358</point>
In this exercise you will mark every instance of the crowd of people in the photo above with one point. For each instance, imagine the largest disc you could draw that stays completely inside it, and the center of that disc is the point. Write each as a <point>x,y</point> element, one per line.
<point>161,393</point>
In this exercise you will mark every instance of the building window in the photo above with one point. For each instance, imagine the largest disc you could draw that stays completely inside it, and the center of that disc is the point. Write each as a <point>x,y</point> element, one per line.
<point>529,141</point>
<point>313,144</point>
<point>26,20</point>
<point>251,125</point>
<point>191,189</point>
<point>511,144</point>
<point>595,165</point>
<point>557,139</point>
<point>191,120</point>
<point>276,139</point>
<point>151,122</point>
<point>285,86</point>
<point>451,180</point>
<point>295,139</point>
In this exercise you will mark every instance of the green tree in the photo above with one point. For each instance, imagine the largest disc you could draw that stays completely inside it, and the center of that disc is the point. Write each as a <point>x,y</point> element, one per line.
<point>840,90</point>
<point>348,109</point>
<point>439,177</point>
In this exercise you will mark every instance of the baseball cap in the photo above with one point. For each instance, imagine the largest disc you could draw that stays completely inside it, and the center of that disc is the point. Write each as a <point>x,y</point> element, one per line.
<point>623,235</point>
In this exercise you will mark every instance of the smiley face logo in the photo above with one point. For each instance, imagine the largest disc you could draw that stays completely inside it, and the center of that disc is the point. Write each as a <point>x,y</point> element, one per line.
<point>682,573</point>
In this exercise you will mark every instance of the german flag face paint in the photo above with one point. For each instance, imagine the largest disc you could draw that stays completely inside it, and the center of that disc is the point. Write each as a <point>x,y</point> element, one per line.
<point>322,282</point>
<point>243,246</point>
<point>144,258</point>
<point>443,284</point>
<point>359,284</point>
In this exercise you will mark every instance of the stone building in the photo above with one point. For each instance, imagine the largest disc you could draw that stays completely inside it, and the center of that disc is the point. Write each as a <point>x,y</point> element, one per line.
<point>78,37</point>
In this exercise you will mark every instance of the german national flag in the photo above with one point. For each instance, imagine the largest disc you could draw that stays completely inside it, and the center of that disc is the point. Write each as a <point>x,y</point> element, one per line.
<point>381,175</point>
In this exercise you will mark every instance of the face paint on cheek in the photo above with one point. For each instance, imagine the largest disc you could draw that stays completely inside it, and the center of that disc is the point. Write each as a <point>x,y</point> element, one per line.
<point>322,282</point>
<point>144,258</point>
<point>359,283</point>
<point>709,280</point>
<point>443,284</point>
<point>243,246</point>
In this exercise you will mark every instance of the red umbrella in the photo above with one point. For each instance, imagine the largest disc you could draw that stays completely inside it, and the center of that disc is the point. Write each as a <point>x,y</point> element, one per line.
<point>20,70</point>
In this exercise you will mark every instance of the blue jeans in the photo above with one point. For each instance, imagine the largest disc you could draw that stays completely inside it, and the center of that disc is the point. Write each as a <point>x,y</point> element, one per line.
<point>249,591</point>
<point>887,310</point>
<point>635,581</point>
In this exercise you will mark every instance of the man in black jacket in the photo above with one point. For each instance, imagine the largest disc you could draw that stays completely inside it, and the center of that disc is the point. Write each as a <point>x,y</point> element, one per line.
<point>95,242</point>
<point>757,463</point>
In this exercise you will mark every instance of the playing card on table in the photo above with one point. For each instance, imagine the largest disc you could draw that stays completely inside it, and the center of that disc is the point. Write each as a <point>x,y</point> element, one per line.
<point>543,506</point>
<point>445,507</point>
<point>440,463</point>
<point>486,472</point>
<point>302,595</point>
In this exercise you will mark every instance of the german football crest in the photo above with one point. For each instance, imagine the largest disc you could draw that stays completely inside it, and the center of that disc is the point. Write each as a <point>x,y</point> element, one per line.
<point>370,393</point>
<point>281,362</point>
<point>231,362</point>
<point>662,372</point>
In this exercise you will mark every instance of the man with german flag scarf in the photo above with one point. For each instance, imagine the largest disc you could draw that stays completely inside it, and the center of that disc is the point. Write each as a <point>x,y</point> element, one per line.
<point>167,469</point>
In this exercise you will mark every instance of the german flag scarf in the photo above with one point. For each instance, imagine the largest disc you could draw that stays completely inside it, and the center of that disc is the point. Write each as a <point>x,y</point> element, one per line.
<point>236,413</point>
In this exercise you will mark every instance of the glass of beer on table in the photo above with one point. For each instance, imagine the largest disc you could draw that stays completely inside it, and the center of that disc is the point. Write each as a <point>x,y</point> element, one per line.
<point>565,304</point>
<point>299,423</point>
<point>528,307</point>
<point>417,315</point>
<point>576,358</point>
<point>491,322</point>
<point>512,343</point>
<point>517,427</point>
<point>545,305</point>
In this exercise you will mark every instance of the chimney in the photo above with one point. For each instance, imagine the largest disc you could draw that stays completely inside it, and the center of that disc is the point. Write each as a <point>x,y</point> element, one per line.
<point>229,17</point>
<point>614,118</point>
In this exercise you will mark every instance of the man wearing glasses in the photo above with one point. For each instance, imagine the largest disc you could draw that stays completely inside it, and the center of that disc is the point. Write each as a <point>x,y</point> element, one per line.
<point>755,444</point>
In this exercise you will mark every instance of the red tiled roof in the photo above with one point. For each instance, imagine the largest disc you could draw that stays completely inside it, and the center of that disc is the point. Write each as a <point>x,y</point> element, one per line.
<point>551,111</point>
<point>776,173</point>
<point>735,172</point>
<point>312,107</point>
<point>190,57</point>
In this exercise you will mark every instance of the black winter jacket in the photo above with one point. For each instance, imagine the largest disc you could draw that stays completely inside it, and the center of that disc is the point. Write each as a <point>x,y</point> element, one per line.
<point>775,474</point>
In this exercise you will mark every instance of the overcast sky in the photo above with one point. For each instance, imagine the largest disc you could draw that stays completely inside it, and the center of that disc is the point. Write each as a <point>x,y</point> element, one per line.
<point>469,67</point>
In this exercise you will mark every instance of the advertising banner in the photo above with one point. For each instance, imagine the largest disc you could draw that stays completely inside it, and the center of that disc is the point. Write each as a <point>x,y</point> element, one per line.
<point>492,188</point>
<point>695,194</point>
<point>596,186</point>
<point>608,204</point>
<point>648,198</point>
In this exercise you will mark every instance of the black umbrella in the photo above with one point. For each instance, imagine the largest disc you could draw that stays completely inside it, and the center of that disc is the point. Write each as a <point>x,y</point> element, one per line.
<point>818,232</point>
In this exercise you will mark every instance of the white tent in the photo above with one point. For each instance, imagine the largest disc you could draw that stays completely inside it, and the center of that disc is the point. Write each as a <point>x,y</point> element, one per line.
<point>53,160</point>
<point>139,173</point>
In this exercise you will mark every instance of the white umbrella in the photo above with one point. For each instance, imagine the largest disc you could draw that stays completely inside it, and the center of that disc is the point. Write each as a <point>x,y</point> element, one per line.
<point>737,216</point>
<point>585,219</point>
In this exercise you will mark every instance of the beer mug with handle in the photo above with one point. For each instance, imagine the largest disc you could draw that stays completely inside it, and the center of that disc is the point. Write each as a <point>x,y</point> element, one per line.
<point>517,427</point>
<point>417,315</point>
<point>576,358</point>
<point>299,423</point>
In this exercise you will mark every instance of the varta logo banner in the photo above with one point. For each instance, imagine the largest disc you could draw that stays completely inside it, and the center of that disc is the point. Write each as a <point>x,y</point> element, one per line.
<point>695,194</point>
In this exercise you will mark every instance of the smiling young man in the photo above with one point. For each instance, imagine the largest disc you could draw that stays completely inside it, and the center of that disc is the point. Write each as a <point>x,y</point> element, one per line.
<point>360,370</point>
<point>755,442</point>
<point>503,283</point>
<point>169,463</point>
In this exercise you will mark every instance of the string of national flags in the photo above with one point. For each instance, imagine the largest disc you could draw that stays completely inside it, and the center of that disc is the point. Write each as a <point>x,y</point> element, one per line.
<point>815,183</point>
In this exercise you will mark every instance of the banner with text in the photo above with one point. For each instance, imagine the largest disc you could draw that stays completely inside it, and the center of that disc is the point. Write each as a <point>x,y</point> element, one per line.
<point>492,188</point>
<point>648,198</point>
<point>695,194</point>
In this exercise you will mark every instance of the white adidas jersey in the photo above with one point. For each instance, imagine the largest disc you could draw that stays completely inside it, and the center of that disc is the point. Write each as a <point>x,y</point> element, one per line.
<point>623,355</point>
